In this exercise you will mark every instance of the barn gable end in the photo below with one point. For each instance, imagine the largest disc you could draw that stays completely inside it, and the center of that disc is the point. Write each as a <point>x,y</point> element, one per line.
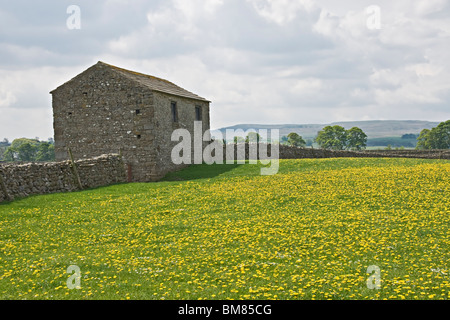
<point>107,109</point>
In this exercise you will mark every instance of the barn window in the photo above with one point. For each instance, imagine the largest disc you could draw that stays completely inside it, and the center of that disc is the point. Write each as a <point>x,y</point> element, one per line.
<point>138,136</point>
<point>138,111</point>
<point>198,113</point>
<point>174,111</point>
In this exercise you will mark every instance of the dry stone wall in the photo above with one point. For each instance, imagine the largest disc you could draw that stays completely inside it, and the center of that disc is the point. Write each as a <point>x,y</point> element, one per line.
<point>421,154</point>
<point>288,152</point>
<point>18,181</point>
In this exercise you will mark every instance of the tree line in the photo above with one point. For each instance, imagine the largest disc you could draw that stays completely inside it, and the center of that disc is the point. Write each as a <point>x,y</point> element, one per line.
<point>27,150</point>
<point>338,138</point>
<point>331,137</point>
<point>436,138</point>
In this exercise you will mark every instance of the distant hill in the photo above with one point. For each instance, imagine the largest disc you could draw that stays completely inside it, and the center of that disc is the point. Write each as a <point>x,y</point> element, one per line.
<point>373,129</point>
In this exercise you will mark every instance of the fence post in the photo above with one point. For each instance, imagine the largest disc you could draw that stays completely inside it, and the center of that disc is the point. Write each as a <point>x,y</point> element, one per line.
<point>74,169</point>
<point>3,187</point>
<point>129,173</point>
<point>126,167</point>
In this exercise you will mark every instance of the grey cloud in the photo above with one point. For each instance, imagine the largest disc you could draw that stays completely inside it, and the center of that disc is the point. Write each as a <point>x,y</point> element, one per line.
<point>320,61</point>
<point>41,27</point>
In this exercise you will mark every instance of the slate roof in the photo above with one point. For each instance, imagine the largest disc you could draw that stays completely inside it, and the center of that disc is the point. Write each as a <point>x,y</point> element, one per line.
<point>153,83</point>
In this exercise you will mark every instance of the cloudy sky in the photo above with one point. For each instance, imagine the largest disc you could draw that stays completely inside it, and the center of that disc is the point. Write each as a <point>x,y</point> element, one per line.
<point>259,61</point>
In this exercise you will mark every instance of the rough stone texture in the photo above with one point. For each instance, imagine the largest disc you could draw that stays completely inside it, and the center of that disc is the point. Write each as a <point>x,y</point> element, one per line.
<point>288,152</point>
<point>165,126</point>
<point>106,109</point>
<point>425,154</point>
<point>18,181</point>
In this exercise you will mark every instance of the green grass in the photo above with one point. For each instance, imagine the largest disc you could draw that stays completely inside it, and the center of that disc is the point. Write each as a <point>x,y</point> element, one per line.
<point>226,232</point>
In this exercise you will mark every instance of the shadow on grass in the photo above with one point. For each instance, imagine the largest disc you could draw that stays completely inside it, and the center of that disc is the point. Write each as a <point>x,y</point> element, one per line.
<point>201,171</point>
<point>193,172</point>
<point>35,199</point>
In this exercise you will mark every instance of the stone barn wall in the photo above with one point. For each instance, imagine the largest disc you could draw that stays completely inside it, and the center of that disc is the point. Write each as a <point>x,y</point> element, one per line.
<point>106,110</point>
<point>100,112</point>
<point>18,181</point>
<point>165,126</point>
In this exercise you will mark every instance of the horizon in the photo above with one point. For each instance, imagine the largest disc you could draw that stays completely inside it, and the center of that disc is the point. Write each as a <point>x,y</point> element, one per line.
<point>326,123</point>
<point>256,125</point>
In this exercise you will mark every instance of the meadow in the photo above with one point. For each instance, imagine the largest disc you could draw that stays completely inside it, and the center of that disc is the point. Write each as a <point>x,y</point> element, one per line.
<point>226,232</point>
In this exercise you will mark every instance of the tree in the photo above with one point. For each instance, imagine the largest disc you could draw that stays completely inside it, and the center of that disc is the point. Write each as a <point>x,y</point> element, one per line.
<point>337,138</point>
<point>9,154</point>
<point>25,149</point>
<point>436,138</point>
<point>423,139</point>
<point>27,152</point>
<point>5,142</point>
<point>284,140</point>
<point>442,135</point>
<point>253,137</point>
<point>238,139</point>
<point>46,152</point>
<point>18,142</point>
<point>356,139</point>
<point>295,140</point>
<point>332,137</point>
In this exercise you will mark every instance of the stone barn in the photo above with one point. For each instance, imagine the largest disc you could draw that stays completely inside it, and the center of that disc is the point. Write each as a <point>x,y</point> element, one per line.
<point>107,109</point>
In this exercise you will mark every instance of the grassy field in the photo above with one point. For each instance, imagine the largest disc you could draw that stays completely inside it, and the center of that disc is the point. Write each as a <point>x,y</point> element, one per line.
<point>225,232</point>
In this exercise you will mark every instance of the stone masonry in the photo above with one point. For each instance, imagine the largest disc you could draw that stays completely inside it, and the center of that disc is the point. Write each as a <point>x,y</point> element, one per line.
<point>22,180</point>
<point>106,109</point>
<point>288,152</point>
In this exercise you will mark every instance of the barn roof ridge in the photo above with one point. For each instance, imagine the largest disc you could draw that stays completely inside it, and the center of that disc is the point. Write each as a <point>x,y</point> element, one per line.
<point>149,81</point>
<point>155,83</point>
